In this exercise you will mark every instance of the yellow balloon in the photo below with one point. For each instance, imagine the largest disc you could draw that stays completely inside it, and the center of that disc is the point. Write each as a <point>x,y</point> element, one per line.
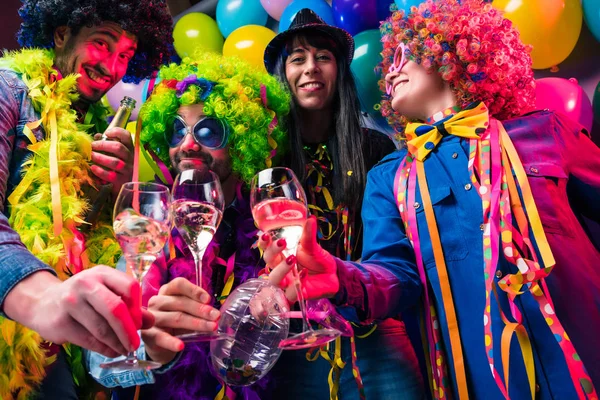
<point>196,30</point>
<point>249,43</point>
<point>552,27</point>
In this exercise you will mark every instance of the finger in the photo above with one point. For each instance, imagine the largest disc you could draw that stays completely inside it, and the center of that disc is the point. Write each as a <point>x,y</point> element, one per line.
<point>81,337</point>
<point>273,253</point>
<point>278,273</point>
<point>116,312</point>
<point>147,319</point>
<point>264,241</point>
<point>126,287</point>
<point>97,327</point>
<point>101,173</point>
<point>114,162</point>
<point>183,287</point>
<point>184,305</point>
<point>158,338</point>
<point>98,136</point>
<point>121,135</point>
<point>180,320</point>
<point>308,240</point>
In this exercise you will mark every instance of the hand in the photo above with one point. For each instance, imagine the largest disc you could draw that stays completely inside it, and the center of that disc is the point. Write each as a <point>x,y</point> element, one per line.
<point>98,309</point>
<point>179,307</point>
<point>113,159</point>
<point>317,268</point>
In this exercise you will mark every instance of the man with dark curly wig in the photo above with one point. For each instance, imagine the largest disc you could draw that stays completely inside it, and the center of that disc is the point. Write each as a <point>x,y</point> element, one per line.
<point>74,52</point>
<point>207,113</point>
<point>488,195</point>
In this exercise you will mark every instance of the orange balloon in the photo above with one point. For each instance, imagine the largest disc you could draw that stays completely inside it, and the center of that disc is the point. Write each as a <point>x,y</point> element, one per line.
<point>552,27</point>
<point>249,43</point>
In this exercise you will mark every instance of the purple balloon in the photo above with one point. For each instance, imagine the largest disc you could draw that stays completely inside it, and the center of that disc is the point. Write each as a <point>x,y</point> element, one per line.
<point>355,16</point>
<point>566,97</point>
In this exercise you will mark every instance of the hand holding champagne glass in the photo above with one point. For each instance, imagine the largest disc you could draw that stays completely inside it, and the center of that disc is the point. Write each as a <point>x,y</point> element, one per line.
<point>141,222</point>
<point>279,208</point>
<point>197,210</point>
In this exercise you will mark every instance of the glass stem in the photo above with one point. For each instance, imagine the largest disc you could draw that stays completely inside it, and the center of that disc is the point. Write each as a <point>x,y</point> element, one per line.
<point>198,262</point>
<point>299,294</point>
<point>132,357</point>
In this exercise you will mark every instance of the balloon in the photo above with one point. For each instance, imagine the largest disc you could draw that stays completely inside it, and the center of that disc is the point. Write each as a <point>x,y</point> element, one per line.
<point>195,30</point>
<point>366,57</point>
<point>383,9</point>
<point>566,97</point>
<point>122,89</point>
<point>249,43</point>
<point>253,346</point>
<point>320,7</point>
<point>275,7</point>
<point>407,4</point>
<point>552,27</point>
<point>233,14</point>
<point>591,14</point>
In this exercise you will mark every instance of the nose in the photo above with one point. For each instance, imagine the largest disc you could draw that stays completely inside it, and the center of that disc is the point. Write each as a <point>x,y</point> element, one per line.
<point>390,76</point>
<point>189,143</point>
<point>110,65</point>
<point>311,66</point>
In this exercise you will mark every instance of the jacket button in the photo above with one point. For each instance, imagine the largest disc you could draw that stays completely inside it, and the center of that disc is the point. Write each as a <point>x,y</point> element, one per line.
<point>533,170</point>
<point>482,227</point>
<point>454,155</point>
<point>498,274</point>
<point>417,205</point>
<point>537,387</point>
<point>468,186</point>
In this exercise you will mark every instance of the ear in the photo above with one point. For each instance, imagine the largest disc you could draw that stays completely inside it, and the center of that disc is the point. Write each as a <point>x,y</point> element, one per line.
<point>61,37</point>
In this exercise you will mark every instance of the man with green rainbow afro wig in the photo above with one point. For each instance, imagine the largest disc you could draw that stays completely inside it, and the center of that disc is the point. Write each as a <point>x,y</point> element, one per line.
<point>225,115</point>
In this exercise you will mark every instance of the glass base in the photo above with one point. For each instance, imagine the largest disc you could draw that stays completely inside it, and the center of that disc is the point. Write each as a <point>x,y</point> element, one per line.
<point>203,337</point>
<point>307,339</point>
<point>131,364</point>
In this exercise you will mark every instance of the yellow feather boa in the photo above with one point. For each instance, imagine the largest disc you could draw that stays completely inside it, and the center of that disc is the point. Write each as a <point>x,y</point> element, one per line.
<point>22,360</point>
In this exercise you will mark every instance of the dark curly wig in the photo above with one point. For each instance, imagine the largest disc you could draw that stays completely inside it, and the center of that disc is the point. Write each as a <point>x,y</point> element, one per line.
<point>148,20</point>
<point>471,46</point>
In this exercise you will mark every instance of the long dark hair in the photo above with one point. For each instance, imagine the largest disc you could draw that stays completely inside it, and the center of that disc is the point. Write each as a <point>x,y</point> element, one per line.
<point>346,144</point>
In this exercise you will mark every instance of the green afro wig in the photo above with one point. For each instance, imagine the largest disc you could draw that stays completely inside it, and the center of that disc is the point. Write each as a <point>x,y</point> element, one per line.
<point>236,94</point>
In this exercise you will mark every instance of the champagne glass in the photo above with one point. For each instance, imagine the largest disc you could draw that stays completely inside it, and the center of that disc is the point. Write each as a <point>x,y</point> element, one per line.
<point>279,208</point>
<point>141,221</point>
<point>197,210</point>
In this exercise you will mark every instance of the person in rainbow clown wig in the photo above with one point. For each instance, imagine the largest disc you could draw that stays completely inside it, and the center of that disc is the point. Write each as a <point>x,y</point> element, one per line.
<point>210,113</point>
<point>478,216</point>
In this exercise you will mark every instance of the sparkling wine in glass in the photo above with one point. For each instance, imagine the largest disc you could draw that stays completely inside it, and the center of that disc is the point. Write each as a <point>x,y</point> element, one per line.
<point>279,208</point>
<point>197,209</point>
<point>141,222</point>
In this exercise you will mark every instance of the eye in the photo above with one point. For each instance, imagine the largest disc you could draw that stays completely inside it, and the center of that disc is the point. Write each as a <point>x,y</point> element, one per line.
<point>323,57</point>
<point>102,44</point>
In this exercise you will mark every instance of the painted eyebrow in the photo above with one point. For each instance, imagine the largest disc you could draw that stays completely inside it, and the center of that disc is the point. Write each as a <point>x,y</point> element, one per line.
<point>113,35</point>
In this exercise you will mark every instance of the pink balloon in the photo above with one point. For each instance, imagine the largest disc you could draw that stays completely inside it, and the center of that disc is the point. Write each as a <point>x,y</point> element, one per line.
<point>275,7</point>
<point>566,97</point>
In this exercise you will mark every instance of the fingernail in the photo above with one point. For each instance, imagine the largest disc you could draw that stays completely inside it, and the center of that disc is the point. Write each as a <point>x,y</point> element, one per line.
<point>204,298</point>
<point>291,260</point>
<point>281,243</point>
<point>211,326</point>
<point>214,314</point>
<point>302,273</point>
<point>265,237</point>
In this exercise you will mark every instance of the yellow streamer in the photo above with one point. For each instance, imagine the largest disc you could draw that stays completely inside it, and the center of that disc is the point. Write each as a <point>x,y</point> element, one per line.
<point>54,179</point>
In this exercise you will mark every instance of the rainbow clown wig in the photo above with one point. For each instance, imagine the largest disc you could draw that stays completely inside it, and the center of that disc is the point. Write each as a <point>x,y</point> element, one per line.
<point>149,20</point>
<point>471,46</point>
<point>251,102</point>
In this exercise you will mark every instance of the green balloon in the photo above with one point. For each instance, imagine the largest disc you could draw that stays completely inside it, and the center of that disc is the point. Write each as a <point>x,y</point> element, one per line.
<point>196,30</point>
<point>596,104</point>
<point>367,55</point>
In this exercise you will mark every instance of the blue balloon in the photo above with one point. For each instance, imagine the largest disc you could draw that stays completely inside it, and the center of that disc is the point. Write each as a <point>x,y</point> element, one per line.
<point>233,14</point>
<point>356,16</point>
<point>591,14</point>
<point>320,7</point>
<point>407,4</point>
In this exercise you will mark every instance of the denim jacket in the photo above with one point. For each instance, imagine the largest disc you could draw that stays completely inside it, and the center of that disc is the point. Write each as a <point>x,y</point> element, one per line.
<point>16,110</point>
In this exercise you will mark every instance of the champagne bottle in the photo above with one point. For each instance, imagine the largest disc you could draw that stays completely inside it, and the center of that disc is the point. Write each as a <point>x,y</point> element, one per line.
<point>120,120</point>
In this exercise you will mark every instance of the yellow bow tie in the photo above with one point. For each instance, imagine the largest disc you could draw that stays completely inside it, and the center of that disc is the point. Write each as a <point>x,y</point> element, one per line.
<point>421,139</point>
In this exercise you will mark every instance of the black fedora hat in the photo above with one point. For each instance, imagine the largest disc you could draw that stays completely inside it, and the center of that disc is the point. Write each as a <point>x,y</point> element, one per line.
<point>307,20</point>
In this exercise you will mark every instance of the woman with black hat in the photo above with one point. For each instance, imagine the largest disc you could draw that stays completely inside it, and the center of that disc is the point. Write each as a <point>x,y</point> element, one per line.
<point>331,154</point>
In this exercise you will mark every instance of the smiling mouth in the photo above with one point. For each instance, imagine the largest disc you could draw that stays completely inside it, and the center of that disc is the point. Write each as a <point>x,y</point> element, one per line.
<point>399,85</point>
<point>97,78</point>
<point>312,85</point>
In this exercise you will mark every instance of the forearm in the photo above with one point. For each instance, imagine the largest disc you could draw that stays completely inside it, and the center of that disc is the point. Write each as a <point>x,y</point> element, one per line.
<point>369,291</point>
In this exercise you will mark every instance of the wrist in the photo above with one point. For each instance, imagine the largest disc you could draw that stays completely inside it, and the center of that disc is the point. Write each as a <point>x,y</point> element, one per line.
<point>22,301</point>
